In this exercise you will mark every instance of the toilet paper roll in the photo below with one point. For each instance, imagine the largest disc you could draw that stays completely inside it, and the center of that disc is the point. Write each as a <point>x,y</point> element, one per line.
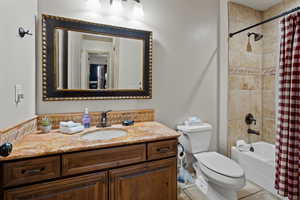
<point>181,154</point>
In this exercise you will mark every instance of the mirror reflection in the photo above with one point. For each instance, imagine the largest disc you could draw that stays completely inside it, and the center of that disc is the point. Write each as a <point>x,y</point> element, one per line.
<point>86,61</point>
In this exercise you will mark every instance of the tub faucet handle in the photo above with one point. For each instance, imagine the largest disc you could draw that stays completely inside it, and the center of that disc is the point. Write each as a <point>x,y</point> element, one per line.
<point>253,132</point>
<point>250,119</point>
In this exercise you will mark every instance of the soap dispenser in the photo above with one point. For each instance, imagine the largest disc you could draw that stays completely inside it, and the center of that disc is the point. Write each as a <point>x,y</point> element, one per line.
<point>86,119</point>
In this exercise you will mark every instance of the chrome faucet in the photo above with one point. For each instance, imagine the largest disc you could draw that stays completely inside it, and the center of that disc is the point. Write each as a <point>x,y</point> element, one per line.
<point>104,120</point>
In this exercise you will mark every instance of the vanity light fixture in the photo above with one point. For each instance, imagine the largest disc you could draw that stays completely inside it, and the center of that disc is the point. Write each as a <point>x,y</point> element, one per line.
<point>93,3</point>
<point>116,6</point>
<point>138,10</point>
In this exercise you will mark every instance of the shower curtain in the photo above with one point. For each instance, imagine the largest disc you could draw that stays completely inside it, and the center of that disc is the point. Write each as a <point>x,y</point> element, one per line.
<point>288,134</point>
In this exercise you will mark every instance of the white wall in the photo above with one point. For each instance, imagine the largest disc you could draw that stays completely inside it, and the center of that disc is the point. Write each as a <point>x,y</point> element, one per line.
<point>223,77</point>
<point>17,61</point>
<point>185,60</point>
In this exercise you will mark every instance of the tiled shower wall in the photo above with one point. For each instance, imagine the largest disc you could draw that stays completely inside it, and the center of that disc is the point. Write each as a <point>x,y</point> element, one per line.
<point>245,85</point>
<point>252,76</point>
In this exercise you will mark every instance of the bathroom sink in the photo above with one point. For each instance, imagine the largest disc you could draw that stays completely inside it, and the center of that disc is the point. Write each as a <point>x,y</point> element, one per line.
<point>105,134</point>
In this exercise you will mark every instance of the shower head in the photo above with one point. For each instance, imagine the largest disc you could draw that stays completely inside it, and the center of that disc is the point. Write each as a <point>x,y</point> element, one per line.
<point>257,36</point>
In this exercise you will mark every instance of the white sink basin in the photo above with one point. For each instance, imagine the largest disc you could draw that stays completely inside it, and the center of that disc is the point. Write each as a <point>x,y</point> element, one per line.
<point>105,134</point>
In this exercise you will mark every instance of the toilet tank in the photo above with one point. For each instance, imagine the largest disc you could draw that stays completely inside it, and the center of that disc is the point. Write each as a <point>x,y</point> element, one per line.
<point>195,139</point>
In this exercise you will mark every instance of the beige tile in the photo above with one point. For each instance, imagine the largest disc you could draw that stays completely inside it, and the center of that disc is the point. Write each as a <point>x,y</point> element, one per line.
<point>269,104</point>
<point>235,133</point>
<point>247,15</point>
<point>234,59</point>
<point>271,43</point>
<point>261,196</point>
<point>269,130</point>
<point>271,33</point>
<point>244,82</point>
<point>270,28</point>
<point>182,196</point>
<point>249,189</point>
<point>270,60</point>
<point>194,193</point>
<point>233,12</point>
<point>274,10</point>
<point>234,82</point>
<point>250,83</point>
<point>290,4</point>
<point>269,83</point>
<point>251,60</point>
<point>256,105</point>
<point>235,26</point>
<point>239,104</point>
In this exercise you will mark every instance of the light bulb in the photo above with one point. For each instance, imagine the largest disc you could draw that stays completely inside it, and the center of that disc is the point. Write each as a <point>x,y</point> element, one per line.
<point>93,3</point>
<point>138,10</point>
<point>116,6</point>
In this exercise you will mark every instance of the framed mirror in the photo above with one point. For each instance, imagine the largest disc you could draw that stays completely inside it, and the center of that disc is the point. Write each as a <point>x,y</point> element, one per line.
<point>89,61</point>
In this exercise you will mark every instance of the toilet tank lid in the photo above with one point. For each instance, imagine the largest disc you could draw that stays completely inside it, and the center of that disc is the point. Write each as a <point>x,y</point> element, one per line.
<point>195,128</point>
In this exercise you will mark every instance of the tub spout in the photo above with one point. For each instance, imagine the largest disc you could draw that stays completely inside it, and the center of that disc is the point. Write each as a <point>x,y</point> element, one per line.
<point>253,132</point>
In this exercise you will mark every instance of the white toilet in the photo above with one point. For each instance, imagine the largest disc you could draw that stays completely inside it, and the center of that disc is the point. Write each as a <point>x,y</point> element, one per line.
<point>218,177</point>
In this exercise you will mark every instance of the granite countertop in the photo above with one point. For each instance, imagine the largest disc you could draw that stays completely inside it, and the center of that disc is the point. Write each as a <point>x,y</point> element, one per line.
<point>38,144</point>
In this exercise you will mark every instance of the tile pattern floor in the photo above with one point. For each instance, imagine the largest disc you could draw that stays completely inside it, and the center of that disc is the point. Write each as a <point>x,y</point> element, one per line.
<point>249,192</point>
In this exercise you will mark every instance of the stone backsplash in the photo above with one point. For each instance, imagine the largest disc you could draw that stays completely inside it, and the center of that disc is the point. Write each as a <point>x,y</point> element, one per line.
<point>15,133</point>
<point>115,117</point>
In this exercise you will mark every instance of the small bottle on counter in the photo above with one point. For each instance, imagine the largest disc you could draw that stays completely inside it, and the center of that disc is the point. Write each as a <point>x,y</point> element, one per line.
<point>86,119</point>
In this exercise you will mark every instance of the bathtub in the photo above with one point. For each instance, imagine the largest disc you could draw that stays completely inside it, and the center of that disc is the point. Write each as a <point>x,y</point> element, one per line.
<point>259,165</point>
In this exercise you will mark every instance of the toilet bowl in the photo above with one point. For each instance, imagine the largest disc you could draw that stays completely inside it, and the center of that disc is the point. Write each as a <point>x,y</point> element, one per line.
<point>218,177</point>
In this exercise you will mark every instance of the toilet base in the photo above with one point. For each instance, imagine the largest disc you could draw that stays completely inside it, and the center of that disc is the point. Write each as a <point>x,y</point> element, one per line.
<point>215,192</point>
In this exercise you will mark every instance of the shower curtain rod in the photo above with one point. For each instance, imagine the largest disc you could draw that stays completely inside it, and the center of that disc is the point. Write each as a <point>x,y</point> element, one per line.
<point>266,21</point>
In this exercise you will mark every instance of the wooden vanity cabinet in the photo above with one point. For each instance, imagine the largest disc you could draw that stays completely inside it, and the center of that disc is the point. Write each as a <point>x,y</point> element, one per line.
<point>146,171</point>
<point>88,187</point>
<point>150,181</point>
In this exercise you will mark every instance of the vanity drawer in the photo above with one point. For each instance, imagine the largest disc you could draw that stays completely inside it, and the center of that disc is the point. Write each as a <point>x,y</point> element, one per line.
<point>83,162</point>
<point>22,172</point>
<point>162,149</point>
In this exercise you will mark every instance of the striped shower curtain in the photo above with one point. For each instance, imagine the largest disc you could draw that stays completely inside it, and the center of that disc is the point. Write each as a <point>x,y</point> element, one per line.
<point>288,134</point>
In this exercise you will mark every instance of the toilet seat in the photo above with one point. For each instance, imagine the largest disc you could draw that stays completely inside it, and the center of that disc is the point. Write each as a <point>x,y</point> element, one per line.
<point>221,170</point>
<point>220,164</point>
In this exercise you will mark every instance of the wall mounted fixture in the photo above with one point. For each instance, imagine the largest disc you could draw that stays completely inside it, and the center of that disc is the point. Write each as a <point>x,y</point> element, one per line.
<point>93,3</point>
<point>23,33</point>
<point>138,10</point>
<point>19,94</point>
<point>117,6</point>
<point>249,119</point>
<point>257,37</point>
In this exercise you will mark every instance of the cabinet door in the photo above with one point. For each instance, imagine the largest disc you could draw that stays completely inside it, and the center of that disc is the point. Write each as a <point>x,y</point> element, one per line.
<point>88,187</point>
<point>149,181</point>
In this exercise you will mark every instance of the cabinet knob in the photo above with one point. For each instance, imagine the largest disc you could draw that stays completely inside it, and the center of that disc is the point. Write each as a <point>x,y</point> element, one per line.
<point>33,171</point>
<point>163,149</point>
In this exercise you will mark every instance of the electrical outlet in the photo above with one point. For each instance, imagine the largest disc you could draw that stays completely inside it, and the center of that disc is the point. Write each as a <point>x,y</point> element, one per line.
<point>19,93</point>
